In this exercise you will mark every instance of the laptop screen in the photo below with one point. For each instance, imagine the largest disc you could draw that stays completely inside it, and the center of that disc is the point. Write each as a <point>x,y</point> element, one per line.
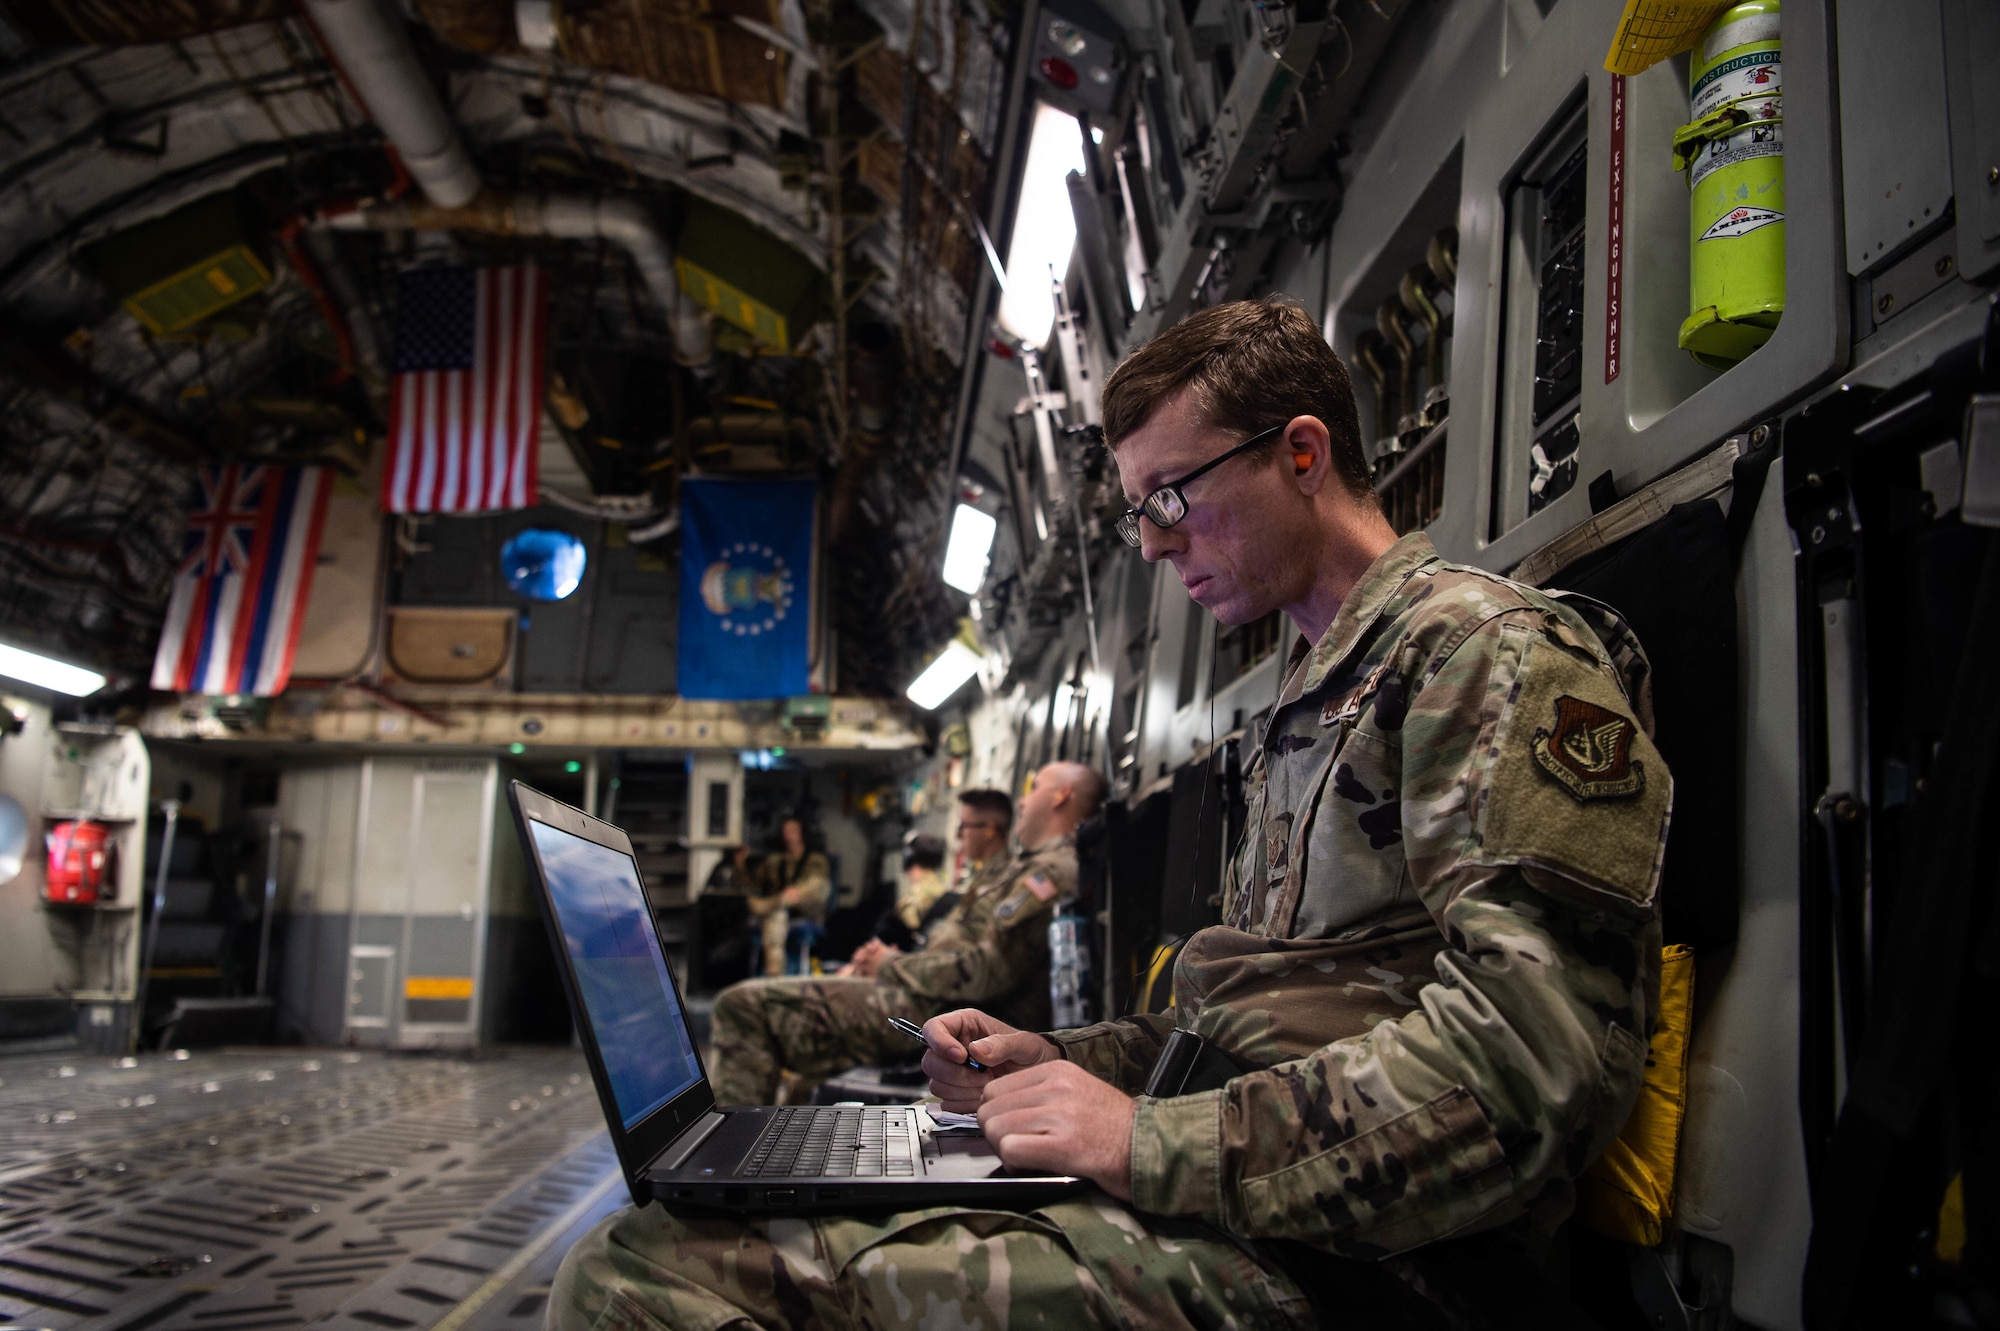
<point>627,993</point>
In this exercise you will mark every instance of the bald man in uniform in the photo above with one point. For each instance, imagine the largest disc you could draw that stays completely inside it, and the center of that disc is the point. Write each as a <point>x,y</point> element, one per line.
<point>992,951</point>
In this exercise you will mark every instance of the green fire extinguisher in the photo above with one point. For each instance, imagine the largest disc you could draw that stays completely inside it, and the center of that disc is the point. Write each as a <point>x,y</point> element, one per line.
<point>1733,151</point>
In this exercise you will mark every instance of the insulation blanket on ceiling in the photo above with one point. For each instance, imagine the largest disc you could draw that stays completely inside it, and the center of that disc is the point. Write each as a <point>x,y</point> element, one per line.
<point>746,588</point>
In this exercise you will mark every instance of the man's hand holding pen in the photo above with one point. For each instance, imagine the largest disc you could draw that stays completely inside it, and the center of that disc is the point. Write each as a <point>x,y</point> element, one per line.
<point>1041,1112</point>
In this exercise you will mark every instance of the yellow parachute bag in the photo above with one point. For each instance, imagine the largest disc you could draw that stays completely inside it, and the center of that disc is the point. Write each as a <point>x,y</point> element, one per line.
<point>1652,30</point>
<point>1628,1194</point>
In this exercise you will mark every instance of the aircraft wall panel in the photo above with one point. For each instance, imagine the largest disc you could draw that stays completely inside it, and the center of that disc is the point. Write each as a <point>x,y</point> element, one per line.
<point>1971,34</point>
<point>30,962</point>
<point>1742,1174</point>
<point>381,880</point>
<point>1895,144</point>
<point>1628,424</point>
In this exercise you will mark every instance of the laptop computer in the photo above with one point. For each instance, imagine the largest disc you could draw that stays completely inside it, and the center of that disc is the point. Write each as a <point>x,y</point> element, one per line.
<point>675,1144</point>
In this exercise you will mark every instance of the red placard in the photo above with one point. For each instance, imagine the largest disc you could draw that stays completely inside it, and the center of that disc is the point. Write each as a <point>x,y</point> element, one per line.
<point>1615,267</point>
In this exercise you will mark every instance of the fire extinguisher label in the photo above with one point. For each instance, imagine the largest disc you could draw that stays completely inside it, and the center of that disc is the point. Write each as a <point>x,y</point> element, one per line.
<point>1755,74</point>
<point>1741,222</point>
<point>1747,145</point>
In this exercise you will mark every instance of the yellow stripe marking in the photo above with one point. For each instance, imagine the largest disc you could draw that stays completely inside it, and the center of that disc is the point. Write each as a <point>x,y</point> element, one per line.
<point>438,986</point>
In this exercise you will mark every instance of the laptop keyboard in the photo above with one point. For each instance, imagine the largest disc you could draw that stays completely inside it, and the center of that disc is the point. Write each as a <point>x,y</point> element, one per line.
<point>809,1142</point>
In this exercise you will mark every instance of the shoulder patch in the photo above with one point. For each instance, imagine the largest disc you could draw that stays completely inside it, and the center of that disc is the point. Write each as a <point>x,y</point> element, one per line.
<point>1041,885</point>
<point>1571,784</point>
<point>1589,752</point>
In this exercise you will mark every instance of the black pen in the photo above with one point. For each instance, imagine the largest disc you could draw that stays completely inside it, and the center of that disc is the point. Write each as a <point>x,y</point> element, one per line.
<point>916,1032</point>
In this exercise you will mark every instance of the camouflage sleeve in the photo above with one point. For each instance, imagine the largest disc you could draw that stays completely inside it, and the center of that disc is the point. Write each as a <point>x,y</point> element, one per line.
<point>1014,940</point>
<point>814,885</point>
<point>1121,1052</point>
<point>1534,812</point>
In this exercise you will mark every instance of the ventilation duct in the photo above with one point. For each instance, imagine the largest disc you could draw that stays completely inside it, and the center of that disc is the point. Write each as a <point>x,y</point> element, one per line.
<point>372,49</point>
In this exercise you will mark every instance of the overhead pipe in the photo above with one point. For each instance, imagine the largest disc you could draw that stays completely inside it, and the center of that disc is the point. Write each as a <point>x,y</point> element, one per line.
<point>1369,349</point>
<point>325,253</point>
<point>372,51</point>
<point>1415,294</point>
<point>336,322</point>
<point>1390,322</point>
<point>623,222</point>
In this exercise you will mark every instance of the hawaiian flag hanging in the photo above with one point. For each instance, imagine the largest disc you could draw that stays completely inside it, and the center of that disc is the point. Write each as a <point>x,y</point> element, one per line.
<point>240,595</point>
<point>465,407</point>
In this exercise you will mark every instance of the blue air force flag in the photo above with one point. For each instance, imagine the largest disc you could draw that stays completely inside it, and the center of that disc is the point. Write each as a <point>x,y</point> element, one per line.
<point>746,588</point>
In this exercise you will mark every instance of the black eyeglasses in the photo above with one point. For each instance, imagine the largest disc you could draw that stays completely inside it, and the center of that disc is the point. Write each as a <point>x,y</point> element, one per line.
<point>1167,505</point>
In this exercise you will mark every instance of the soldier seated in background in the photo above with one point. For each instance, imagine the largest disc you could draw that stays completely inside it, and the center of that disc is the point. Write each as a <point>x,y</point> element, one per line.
<point>1426,1008</point>
<point>922,898</point>
<point>985,818</point>
<point>735,872</point>
<point>993,949</point>
<point>795,886</point>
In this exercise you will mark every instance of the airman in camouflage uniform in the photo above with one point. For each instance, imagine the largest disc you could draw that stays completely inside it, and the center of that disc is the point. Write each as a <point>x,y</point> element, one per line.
<point>1443,944</point>
<point>991,950</point>
<point>1434,981</point>
<point>797,884</point>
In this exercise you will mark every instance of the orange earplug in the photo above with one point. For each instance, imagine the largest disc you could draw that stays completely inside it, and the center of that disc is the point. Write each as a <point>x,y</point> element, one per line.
<point>1303,461</point>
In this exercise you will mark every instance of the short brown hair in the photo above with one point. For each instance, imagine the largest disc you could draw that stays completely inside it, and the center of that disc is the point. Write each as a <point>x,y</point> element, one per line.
<point>994,802</point>
<point>1252,365</point>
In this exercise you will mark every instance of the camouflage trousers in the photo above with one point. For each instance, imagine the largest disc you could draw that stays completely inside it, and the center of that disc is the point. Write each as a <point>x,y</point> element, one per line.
<point>771,933</point>
<point>1081,1262</point>
<point>814,1027</point>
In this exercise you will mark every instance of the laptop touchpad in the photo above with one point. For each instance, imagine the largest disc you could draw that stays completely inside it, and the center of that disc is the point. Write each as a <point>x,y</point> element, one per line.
<point>962,1155</point>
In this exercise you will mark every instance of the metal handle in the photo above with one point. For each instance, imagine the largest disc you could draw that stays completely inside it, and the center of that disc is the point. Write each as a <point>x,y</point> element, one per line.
<point>276,843</point>
<point>172,809</point>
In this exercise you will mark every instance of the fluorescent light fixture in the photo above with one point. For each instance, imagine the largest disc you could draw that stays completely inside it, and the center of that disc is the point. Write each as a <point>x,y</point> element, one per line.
<point>1065,698</point>
<point>1135,269</point>
<point>942,677</point>
<point>965,554</point>
<point>48,673</point>
<point>1044,226</point>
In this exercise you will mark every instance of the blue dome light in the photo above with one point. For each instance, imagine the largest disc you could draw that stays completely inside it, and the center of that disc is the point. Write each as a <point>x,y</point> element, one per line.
<point>542,564</point>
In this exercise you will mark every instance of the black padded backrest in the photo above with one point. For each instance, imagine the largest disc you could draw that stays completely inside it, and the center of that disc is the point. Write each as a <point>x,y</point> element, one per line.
<point>1194,852</point>
<point>1093,859</point>
<point>1675,584</point>
<point>1136,842</point>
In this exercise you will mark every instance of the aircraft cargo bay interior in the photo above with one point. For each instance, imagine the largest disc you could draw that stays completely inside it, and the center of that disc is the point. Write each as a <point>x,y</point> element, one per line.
<point>680,663</point>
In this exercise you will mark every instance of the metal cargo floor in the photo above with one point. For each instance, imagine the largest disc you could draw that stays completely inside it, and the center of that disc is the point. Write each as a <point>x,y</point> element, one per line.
<point>262,1189</point>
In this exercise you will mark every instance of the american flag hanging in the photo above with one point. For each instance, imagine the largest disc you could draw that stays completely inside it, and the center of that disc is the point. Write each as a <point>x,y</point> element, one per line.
<point>466,405</point>
<point>240,594</point>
